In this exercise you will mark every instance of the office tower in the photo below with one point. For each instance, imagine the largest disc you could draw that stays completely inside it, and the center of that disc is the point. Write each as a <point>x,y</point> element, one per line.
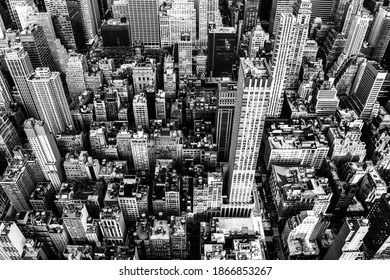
<point>221,51</point>
<point>58,51</point>
<point>76,166</point>
<point>280,57</point>
<point>120,9</point>
<point>144,25</point>
<point>253,94</point>
<point>50,99</point>
<point>22,12</point>
<point>98,141</point>
<point>144,74</point>
<point>139,150</point>
<point>45,148</point>
<point>363,101</point>
<point>257,40</point>
<point>185,54</point>
<point>140,108</point>
<point>75,69</point>
<point>18,182</point>
<point>279,7</point>
<point>67,22</point>
<point>178,238</point>
<point>91,18</point>
<point>379,232</point>
<point>8,138</point>
<point>5,95</point>
<point>302,11</point>
<point>354,42</point>
<point>208,13</point>
<point>75,220</point>
<point>13,6</point>
<point>112,225</point>
<point>380,33</point>
<point>351,9</point>
<point>321,9</point>
<point>34,42</point>
<point>116,33</point>
<point>348,241</point>
<point>159,240</point>
<point>326,100</point>
<point>169,77</point>
<point>172,190</point>
<point>251,10</point>
<point>128,195</point>
<point>12,241</point>
<point>20,67</point>
<point>227,93</point>
<point>177,17</point>
<point>123,140</point>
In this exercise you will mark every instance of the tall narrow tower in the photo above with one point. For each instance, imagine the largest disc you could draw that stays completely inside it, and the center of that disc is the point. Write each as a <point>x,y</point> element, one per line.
<point>253,94</point>
<point>45,148</point>
<point>281,55</point>
<point>49,96</point>
<point>302,12</point>
<point>20,67</point>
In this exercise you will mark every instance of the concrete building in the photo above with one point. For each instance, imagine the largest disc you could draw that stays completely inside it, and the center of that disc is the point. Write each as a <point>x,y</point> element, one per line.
<point>75,69</point>
<point>12,241</point>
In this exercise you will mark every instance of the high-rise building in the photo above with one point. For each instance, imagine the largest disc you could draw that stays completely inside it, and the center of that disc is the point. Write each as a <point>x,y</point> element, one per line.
<point>251,10</point>
<point>112,225</point>
<point>253,94</point>
<point>13,6</point>
<point>91,18</point>
<point>58,51</point>
<point>120,9</point>
<point>139,150</point>
<point>75,69</point>
<point>302,11</point>
<point>177,17</point>
<point>221,51</point>
<point>351,9</point>
<point>144,74</point>
<point>280,57</point>
<point>185,54</point>
<point>140,108</point>
<point>348,241</point>
<point>257,40</point>
<point>34,42</point>
<point>8,139</point>
<point>5,95</point>
<point>379,232</point>
<point>380,33</point>
<point>169,77</point>
<point>208,14</point>
<point>67,22</point>
<point>20,67</point>
<point>116,33</point>
<point>279,7</point>
<point>321,9</point>
<point>365,98</point>
<point>12,241</point>
<point>227,93</point>
<point>144,25</point>
<point>43,144</point>
<point>18,182</point>
<point>326,100</point>
<point>161,110</point>
<point>49,97</point>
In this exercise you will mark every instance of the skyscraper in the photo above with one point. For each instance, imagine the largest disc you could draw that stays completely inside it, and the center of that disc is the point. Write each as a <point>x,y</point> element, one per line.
<point>380,33</point>
<point>49,97</point>
<point>321,8</point>
<point>253,94</point>
<point>227,93</point>
<point>221,51</point>
<point>139,150</point>
<point>12,5</point>
<point>75,69</point>
<point>9,138</point>
<point>251,10</point>
<point>302,11</point>
<point>379,218</point>
<point>20,67</point>
<point>66,20</point>
<point>363,101</point>
<point>34,41</point>
<point>91,18</point>
<point>12,241</point>
<point>279,7</point>
<point>208,13</point>
<point>281,55</point>
<point>45,148</point>
<point>140,108</point>
<point>5,95</point>
<point>144,23</point>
